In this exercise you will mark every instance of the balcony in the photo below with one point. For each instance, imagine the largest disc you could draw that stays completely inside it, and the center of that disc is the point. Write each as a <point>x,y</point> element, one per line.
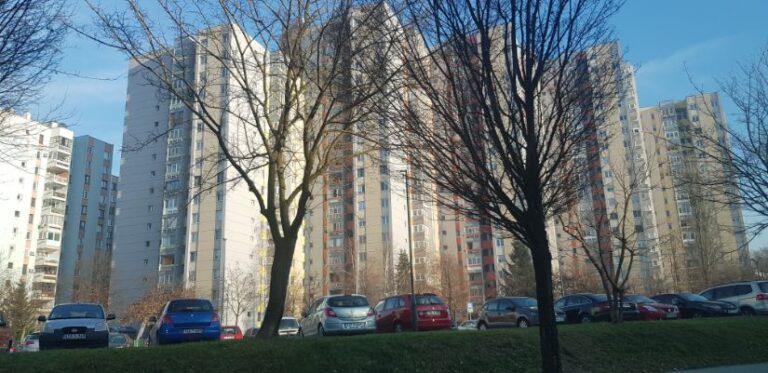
<point>44,278</point>
<point>43,295</point>
<point>53,210</point>
<point>57,180</point>
<point>48,246</point>
<point>55,194</point>
<point>46,261</point>
<point>57,165</point>
<point>63,149</point>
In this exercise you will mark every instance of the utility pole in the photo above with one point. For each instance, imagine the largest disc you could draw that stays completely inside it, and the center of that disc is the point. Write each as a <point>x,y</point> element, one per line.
<point>414,325</point>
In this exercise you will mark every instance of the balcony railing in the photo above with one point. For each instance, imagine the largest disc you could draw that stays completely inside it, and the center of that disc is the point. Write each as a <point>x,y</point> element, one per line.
<point>47,261</point>
<point>55,194</point>
<point>57,180</point>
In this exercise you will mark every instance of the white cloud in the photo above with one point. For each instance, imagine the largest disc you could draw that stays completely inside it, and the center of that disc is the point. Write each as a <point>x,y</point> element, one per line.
<point>675,62</point>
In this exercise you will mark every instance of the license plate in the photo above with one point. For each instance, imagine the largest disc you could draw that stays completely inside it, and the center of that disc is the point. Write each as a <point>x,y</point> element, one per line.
<point>354,326</point>
<point>433,313</point>
<point>193,331</point>
<point>70,337</point>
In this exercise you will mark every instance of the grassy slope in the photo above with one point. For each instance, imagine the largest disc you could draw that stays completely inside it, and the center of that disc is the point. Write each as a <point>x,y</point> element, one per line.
<point>630,347</point>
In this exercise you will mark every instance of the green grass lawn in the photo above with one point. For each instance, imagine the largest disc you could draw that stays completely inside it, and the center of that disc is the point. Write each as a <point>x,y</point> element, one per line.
<point>629,347</point>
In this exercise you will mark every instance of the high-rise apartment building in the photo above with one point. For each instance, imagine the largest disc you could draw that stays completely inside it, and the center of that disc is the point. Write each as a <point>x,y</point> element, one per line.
<point>33,203</point>
<point>86,250</point>
<point>179,223</point>
<point>703,240</point>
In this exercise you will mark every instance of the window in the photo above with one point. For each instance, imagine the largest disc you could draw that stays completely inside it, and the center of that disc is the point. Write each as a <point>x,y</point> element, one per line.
<point>150,208</point>
<point>84,209</point>
<point>361,188</point>
<point>193,256</point>
<point>360,172</point>
<point>149,226</point>
<point>17,213</point>
<point>146,244</point>
<point>87,179</point>
<point>384,220</point>
<point>196,218</point>
<point>361,206</point>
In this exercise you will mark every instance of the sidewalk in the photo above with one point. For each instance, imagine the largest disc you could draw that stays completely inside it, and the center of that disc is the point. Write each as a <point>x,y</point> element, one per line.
<point>752,368</point>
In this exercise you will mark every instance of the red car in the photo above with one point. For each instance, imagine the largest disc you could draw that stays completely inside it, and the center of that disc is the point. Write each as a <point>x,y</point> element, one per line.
<point>231,333</point>
<point>651,309</point>
<point>393,314</point>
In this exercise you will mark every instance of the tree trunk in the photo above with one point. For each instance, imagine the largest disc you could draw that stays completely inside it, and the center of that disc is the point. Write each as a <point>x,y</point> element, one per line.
<point>278,286</point>
<point>542,264</point>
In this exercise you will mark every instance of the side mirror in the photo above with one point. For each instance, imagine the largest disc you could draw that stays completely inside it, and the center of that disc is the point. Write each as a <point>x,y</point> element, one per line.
<point>41,318</point>
<point>153,319</point>
<point>111,316</point>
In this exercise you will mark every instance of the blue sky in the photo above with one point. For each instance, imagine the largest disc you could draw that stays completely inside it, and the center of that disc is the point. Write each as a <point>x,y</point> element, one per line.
<point>660,37</point>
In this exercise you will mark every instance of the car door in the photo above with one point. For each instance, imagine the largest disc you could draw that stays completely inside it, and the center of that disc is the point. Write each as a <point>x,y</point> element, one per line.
<point>309,323</point>
<point>492,313</point>
<point>378,311</point>
<point>571,308</point>
<point>389,308</point>
<point>507,313</point>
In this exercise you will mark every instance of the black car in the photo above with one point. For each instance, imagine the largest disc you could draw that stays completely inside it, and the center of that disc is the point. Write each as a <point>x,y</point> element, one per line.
<point>251,333</point>
<point>511,311</point>
<point>75,325</point>
<point>693,305</point>
<point>585,308</point>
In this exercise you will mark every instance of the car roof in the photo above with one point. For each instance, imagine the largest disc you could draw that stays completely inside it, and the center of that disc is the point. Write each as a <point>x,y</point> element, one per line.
<point>78,304</point>
<point>288,318</point>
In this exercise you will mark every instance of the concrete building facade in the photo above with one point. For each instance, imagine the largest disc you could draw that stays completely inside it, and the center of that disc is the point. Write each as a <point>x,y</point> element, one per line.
<point>86,250</point>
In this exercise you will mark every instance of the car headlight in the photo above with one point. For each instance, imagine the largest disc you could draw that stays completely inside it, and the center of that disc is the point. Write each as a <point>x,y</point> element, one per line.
<point>650,308</point>
<point>47,328</point>
<point>101,327</point>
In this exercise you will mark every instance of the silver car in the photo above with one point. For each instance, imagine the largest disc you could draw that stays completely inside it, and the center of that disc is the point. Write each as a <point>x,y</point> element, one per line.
<point>288,327</point>
<point>751,297</point>
<point>338,314</point>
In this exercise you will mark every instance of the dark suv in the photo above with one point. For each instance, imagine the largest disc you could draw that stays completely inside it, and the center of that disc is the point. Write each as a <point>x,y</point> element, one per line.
<point>585,308</point>
<point>751,297</point>
<point>510,312</point>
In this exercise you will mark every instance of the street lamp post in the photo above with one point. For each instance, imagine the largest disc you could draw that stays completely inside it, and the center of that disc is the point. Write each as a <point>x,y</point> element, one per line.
<point>414,325</point>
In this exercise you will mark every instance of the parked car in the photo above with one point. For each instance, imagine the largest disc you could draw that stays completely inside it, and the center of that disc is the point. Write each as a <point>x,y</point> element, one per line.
<point>652,310</point>
<point>289,326</point>
<point>508,312</point>
<point>75,325</point>
<point>693,305</point>
<point>6,339</point>
<point>585,308</point>
<point>750,297</point>
<point>185,320</point>
<point>467,325</point>
<point>119,340</point>
<point>229,333</point>
<point>251,333</point>
<point>31,343</point>
<point>338,314</point>
<point>395,315</point>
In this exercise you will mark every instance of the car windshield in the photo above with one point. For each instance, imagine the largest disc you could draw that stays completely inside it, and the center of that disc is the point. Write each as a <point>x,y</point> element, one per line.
<point>33,337</point>
<point>117,339</point>
<point>427,300</point>
<point>526,302</point>
<point>289,324</point>
<point>763,286</point>
<point>76,311</point>
<point>693,297</point>
<point>348,301</point>
<point>638,299</point>
<point>228,330</point>
<point>190,305</point>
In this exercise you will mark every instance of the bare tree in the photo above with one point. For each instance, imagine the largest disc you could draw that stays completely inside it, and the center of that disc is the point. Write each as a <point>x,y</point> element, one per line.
<point>295,295</point>
<point>455,290</point>
<point>497,108</point>
<point>760,264</point>
<point>152,303</point>
<point>300,78</point>
<point>31,35</point>
<point>239,291</point>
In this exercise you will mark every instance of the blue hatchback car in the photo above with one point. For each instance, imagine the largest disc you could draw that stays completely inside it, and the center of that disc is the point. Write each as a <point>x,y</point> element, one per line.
<point>185,320</point>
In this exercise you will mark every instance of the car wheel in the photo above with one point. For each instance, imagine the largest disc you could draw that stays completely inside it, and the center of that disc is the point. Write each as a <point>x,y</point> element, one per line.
<point>320,331</point>
<point>585,319</point>
<point>398,328</point>
<point>482,326</point>
<point>747,311</point>
<point>522,323</point>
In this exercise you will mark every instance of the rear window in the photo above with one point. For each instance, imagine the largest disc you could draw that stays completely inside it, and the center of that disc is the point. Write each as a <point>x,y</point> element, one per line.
<point>117,339</point>
<point>348,301</point>
<point>763,286</point>
<point>428,300</point>
<point>77,311</point>
<point>190,305</point>
<point>289,324</point>
<point>33,337</point>
<point>599,297</point>
<point>228,330</point>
